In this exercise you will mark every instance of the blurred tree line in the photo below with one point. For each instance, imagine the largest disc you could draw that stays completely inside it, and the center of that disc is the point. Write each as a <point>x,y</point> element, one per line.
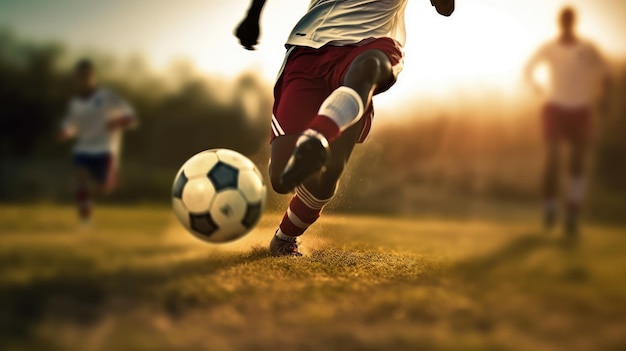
<point>453,159</point>
<point>484,153</point>
<point>180,113</point>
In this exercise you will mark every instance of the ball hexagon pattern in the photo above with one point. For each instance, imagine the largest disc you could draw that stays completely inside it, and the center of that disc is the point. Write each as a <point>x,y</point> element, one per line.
<point>224,176</point>
<point>218,195</point>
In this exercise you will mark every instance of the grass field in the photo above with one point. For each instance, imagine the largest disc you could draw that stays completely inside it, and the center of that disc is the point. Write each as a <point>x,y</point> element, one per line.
<point>136,281</point>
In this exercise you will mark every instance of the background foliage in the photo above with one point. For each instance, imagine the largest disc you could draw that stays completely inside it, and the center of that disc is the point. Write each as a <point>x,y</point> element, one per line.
<point>483,154</point>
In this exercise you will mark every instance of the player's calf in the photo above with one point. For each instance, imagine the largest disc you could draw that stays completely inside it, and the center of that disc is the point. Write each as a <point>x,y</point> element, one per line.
<point>304,209</point>
<point>83,204</point>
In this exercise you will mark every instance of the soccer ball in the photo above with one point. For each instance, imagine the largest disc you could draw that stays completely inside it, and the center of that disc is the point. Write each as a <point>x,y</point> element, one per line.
<point>218,195</point>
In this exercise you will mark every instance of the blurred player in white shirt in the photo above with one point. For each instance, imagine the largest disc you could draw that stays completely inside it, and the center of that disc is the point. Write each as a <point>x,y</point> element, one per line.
<point>339,55</point>
<point>575,68</point>
<point>96,118</point>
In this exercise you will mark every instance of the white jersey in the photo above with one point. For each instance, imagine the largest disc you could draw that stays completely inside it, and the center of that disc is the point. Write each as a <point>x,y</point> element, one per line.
<point>573,69</point>
<point>345,22</point>
<point>88,119</point>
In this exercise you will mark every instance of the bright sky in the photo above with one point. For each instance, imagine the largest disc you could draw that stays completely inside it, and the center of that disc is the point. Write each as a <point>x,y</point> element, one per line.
<point>485,41</point>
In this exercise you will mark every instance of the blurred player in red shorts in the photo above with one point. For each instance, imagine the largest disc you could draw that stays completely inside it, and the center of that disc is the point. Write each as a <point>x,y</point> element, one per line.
<point>339,55</point>
<point>575,67</point>
<point>96,117</point>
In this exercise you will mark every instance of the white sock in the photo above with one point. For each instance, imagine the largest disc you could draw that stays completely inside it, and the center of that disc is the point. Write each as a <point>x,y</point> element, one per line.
<point>280,235</point>
<point>343,106</point>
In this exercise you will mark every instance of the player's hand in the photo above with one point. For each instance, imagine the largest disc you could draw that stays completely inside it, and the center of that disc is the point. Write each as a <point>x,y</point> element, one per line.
<point>63,136</point>
<point>444,7</point>
<point>113,125</point>
<point>119,123</point>
<point>248,33</point>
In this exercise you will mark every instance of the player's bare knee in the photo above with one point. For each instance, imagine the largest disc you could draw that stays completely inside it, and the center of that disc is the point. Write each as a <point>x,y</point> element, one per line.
<point>366,68</point>
<point>371,67</point>
<point>367,62</point>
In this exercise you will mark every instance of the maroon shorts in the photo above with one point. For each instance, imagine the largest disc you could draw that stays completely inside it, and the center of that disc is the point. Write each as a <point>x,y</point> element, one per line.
<point>564,123</point>
<point>310,75</point>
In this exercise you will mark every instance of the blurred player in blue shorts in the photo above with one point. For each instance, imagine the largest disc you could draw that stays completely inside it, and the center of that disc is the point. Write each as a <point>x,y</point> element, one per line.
<point>96,118</point>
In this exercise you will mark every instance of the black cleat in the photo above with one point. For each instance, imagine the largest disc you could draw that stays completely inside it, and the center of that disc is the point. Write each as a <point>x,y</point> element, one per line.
<point>308,158</point>
<point>280,247</point>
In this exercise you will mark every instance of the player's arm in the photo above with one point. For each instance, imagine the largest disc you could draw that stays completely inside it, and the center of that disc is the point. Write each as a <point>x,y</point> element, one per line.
<point>122,122</point>
<point>122,114</point>
<point>68,126</point>
<point>64,135</point>
<point>604,104</point>
<point>248,30</point>
<point>443,7</point>
<point>607,80</point>
<point>531,67</point>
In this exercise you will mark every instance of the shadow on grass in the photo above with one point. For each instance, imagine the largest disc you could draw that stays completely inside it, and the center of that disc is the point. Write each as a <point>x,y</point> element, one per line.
<point>81,295</point>
<point>522,256</point>
<point>513,253</point>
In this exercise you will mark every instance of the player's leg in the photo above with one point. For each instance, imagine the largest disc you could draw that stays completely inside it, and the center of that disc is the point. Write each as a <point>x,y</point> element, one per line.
<point>103,174</point>
<point>342,109</point>
<point>310,197</point>
<point>297,96</point>
<point>551,183</point>
<point>93,178</point>
<point>578,133</point>
<point>553,130</point>
<point>109,178</point>
<point>576,193</point>
<point>82,194</point>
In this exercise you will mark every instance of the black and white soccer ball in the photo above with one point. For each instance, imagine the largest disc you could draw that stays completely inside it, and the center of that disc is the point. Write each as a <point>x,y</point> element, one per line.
<point>219,195</point>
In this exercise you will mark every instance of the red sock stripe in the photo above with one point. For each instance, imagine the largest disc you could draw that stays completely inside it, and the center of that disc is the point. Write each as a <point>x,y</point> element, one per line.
<point>302,217</point>
<point>287,227</point>
<point>326,126</point>
<point>310,200</point>
<point>302,211</point>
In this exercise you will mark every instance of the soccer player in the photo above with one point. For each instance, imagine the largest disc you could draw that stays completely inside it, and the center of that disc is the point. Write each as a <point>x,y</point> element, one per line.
<point>339,55</point>
<point>575,66</point>
<point>96,117</point>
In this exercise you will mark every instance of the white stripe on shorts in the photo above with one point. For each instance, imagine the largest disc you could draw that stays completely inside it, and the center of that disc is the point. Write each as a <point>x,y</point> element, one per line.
<point>278,130</point>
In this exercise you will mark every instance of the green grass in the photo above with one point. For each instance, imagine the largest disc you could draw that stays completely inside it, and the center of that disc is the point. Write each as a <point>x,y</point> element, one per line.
<point>137,281</point>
